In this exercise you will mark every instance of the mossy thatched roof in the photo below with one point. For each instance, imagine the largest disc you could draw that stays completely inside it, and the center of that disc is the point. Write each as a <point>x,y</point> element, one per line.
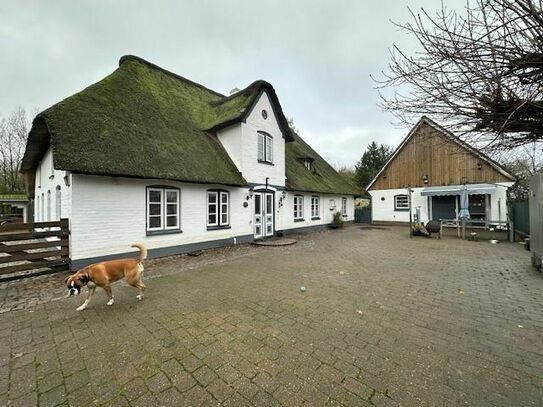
<point>322,178</point>
<point>146,122</point>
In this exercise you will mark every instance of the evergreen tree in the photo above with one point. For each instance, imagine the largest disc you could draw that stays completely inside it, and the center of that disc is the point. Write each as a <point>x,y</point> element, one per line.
<point>373,159</point>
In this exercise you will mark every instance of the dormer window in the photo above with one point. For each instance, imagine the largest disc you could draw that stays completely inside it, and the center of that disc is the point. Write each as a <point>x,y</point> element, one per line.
<point>265,148</point>
<point>308,164</point>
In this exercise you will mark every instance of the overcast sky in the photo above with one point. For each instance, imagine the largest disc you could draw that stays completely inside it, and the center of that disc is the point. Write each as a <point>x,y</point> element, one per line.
<point>318,55</point>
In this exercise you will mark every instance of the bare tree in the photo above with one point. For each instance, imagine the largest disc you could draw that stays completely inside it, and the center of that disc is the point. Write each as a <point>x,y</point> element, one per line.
<point>523,162</point>
<point>13,134</point>
<point>479,71</point>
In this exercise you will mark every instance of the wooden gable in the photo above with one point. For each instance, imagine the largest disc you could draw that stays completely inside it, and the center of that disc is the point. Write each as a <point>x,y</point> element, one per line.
<point>438,155</point>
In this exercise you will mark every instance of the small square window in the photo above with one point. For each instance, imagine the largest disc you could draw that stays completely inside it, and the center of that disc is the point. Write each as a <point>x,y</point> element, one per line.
<point>401,203</point>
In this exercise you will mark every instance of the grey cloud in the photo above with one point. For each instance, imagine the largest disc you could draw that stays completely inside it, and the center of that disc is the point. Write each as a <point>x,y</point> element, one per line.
<point>317,54</point>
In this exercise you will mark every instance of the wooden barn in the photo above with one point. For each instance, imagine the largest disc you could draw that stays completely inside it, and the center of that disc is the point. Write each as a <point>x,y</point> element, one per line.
<point>437,166</point>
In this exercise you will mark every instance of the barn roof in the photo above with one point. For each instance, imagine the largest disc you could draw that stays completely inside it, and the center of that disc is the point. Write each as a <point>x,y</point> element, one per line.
<point>450,136</point>
<point>146,122</point>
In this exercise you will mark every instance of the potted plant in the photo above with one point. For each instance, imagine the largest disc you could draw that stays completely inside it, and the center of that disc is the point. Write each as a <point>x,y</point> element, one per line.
<point>337,221</point>
<point>419,230</point>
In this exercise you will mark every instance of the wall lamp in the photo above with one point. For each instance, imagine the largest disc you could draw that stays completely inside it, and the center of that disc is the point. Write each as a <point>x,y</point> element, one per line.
<point>67,178</point>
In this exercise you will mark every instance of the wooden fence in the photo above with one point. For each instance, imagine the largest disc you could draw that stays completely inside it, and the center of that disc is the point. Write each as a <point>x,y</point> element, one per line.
<point>30,249</point>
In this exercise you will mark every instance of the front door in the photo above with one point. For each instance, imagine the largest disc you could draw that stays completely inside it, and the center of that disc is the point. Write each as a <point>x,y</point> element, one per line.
<point>263,214</point>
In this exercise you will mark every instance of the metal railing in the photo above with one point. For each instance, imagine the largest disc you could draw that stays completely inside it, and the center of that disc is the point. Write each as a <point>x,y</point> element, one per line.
<point>490,225</point>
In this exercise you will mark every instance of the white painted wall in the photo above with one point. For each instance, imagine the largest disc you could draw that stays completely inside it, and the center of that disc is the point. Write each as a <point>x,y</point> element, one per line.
<point>47,179</point>
<point>252,170</point>
<point>230,138</point>
<point>498,204</point>
<point>286,212</point>
<point>382,202</point>
<point>109,213</point>
<point>383,210</point>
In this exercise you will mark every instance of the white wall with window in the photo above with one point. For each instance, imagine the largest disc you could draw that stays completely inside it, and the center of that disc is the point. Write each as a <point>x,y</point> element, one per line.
<point>392,205</point>
<point>327,206</point>
<point>110,213</point>
<point>262,145</point>
<point>56,202</point>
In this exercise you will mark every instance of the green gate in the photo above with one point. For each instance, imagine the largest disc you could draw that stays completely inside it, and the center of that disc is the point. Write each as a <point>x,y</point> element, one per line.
<point>520,215</point>
<point>362,215</point>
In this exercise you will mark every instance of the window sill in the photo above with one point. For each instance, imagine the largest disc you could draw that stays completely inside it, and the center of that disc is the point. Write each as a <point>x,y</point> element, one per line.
<point>317,218</point>
<point>219,227</point>
<point>265,162</point>
<point>163,232</point>
<point>299,220</point>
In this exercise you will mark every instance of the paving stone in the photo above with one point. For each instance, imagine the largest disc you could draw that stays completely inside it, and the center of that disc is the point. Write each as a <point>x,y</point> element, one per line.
<point>204,375</point>
<point>53,397</point>
<point>158,383</point>
<point>385,321</point>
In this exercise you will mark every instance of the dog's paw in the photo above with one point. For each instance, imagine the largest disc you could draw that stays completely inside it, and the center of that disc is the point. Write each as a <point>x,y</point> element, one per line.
<point>139,297</point>
<point>110,302</point>
<point>81,308</point>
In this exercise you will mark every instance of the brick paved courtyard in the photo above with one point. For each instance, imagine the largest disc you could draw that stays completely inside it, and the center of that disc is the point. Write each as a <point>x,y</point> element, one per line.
<point>385,321</point>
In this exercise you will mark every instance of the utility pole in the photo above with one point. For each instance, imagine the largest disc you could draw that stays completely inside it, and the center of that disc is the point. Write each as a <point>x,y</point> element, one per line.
<point>410,214</point>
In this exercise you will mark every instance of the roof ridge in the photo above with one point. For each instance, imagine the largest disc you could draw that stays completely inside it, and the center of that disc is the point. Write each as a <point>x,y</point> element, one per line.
<point>129,57</point>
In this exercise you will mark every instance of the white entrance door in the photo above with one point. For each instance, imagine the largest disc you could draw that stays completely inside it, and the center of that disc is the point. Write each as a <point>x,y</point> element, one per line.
<point>263,221</point>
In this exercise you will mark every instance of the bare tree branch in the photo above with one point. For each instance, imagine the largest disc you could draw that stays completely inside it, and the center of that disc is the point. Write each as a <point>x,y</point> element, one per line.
<point>480,72</point>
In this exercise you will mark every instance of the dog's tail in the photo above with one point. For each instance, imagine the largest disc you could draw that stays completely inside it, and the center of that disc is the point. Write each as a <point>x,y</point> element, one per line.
<point>143,250</point>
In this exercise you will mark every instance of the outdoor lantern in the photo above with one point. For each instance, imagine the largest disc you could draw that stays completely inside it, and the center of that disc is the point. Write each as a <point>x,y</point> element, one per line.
<point>251,193</point>
<point>67,178</point>
<point>284,193</point>
<point>425,179</point>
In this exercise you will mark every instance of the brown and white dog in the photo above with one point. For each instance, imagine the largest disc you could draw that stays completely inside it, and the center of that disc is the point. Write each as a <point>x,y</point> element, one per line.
<point>107,272</point>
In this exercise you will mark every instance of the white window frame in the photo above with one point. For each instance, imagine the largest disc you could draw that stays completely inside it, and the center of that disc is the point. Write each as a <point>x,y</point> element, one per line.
<point>403,206</point>
<point>163,209</point>
<point>220,208</point>
<point>298,207</point>
<point>265,147</point>
<point>315,207</point>
<point>58,203</point>
<point>344,206</point>
<point>308,164</point>
<point>49,205</point>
